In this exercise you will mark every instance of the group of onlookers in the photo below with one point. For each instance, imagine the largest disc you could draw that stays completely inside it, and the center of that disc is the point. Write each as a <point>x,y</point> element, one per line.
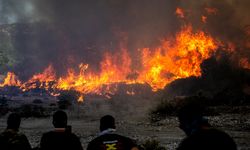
<point>200,134</point>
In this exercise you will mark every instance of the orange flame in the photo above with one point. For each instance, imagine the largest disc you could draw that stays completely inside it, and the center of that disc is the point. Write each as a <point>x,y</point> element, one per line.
<point>41,80</point>
<point>11,80</point>
<point>114,69</point>
<point>180,59</point>
<point>173,59</point>
<point>80,99</point>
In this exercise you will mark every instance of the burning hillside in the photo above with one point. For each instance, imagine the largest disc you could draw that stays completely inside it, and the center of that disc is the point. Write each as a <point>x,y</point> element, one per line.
<point>175,58</point>
<point>94,52</point>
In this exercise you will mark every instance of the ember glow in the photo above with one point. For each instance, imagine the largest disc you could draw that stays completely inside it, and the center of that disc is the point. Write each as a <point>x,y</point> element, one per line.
<point>174,58</point>
<point>179,12</point>
<point>11,80</point>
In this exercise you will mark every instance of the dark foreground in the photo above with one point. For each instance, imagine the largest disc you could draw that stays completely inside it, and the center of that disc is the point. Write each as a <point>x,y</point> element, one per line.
<point>138,128</point>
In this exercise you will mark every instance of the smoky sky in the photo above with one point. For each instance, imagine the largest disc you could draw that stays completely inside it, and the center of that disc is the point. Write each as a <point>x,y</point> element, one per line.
<point>65,33</point>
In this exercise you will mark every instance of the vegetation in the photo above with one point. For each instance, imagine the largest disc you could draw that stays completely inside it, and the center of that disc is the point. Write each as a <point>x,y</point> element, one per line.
<point>37,101</point>
<point>67,98</point>
<point>163,109</point>
<point>4,109</point>
<point>167,107</point>
<point>151,144</point>
<point>30,110</point>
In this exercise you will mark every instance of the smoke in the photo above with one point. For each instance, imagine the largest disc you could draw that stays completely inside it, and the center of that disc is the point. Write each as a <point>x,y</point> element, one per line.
<point>66,33</point>
<point>17,11</point>
<point>226,21</point>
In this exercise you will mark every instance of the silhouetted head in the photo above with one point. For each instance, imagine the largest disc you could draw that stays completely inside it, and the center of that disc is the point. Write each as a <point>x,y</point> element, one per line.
<point>13,121</point>
<point>107,122</point>
<point>60,119</point>
<point>190,117</point>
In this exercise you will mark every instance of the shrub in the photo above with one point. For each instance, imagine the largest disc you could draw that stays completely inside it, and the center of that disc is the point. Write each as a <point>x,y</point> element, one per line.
<point>163,109</point>
<point>66,98</point>
<point>171,107</point>
<point>151,145</point>
<point>29,110</point>
<point>3,101</point>
<point>4,110</point>
<point>37,101</point>
<point>64,104</point>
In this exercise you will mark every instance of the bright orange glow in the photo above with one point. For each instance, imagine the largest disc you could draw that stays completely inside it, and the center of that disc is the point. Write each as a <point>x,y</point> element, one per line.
<point>179,12</point>
<point>80,99</point>
<point>41,80</point>
<point>11,80</point>
<point>180,59</point>
<point>175,58</point>
<point>204,19</point>
<point>114,69</point>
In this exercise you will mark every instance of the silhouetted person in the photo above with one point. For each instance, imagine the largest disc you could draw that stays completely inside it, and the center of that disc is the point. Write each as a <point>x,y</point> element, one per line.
<point>108,140</point>
<point>200,134</point>
<point>61,138</point>
<point>11,139</point>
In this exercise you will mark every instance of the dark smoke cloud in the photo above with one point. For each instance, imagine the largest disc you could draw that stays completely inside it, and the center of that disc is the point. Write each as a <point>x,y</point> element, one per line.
<point>70,32</point>
<point>12,11</point>
<point>65,33</point>
<point>227,24</point>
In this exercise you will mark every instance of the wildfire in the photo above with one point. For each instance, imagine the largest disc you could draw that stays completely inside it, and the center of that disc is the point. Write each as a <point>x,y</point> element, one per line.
<point>41,80</point>
<point>114,69</point>
<point>173,59</point>
<point>11,80</point>
<point>180,58</point>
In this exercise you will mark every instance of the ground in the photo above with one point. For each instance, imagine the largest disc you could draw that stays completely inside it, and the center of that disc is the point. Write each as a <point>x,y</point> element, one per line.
<point>134,123</point>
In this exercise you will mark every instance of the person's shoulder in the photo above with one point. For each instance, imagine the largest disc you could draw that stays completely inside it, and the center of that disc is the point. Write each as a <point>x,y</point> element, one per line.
<point>21,135</point>
<point>124,137</point>
<point>127,138</point>
<point>12,134</point>
<point>49,134</point>
<point>221,135</point>
<point>123,140</point>
<point>73,136</point>
<point>216,133</point>
<point>186,143</point>
<point>207,139</point>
